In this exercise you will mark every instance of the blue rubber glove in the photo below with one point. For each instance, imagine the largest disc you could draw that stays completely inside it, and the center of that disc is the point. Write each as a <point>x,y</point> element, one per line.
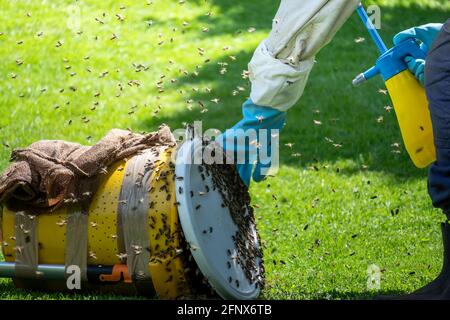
<point>247,152</point>
<point>426,35</point>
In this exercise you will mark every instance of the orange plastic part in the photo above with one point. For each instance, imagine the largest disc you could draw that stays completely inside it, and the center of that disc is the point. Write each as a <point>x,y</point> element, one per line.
<point>119,272</point>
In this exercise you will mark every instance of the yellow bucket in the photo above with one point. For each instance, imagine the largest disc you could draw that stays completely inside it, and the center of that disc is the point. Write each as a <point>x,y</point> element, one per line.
<point>166,264</point>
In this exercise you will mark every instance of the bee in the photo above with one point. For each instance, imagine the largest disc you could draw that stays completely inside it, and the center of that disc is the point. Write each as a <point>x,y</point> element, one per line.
<point>137,249</point>
<point>289,145</point>
<point>122,256</point>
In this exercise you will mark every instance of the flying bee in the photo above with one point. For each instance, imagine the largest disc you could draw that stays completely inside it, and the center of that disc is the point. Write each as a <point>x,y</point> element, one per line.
<point>122,256</point>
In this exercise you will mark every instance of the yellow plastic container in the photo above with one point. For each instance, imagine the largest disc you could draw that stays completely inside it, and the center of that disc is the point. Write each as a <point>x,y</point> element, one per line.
<point>411,107</point>
<point>165,265</point>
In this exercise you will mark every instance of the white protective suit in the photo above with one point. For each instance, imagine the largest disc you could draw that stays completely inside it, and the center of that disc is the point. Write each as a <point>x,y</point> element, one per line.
<point>281,64</point>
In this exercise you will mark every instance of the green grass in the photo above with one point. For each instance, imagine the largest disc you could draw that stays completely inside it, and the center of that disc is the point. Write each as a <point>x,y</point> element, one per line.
<point>327,226</point>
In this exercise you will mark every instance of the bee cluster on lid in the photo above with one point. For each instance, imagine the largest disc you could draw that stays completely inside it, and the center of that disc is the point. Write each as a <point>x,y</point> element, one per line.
<point>247,252</point>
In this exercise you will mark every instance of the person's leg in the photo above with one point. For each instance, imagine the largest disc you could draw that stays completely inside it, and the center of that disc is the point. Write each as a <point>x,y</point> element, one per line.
<point>437,84</point>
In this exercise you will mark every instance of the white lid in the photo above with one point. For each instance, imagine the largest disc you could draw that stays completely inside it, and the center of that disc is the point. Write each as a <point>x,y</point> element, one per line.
<point>208,227</point>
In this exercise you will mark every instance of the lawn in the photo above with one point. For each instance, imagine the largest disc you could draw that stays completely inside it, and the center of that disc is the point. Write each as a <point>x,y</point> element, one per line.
<point>347,195</point>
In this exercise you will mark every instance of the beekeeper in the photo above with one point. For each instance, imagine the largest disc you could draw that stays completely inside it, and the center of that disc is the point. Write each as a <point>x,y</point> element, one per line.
<point>279,71</point>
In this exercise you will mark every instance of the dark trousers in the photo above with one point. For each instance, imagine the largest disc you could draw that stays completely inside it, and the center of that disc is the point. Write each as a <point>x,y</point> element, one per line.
<point>437,84</point>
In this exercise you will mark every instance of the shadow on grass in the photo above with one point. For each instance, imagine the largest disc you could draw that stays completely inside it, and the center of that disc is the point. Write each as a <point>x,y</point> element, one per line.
<point>354,126</point>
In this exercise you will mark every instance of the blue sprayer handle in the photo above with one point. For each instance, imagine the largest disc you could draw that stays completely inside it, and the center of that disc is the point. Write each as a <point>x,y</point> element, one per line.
<point>391,62</point>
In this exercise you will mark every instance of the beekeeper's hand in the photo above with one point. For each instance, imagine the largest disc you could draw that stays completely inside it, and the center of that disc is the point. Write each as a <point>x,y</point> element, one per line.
<point>251,140</point>
<point>425,35</point>
<point>281,65</point>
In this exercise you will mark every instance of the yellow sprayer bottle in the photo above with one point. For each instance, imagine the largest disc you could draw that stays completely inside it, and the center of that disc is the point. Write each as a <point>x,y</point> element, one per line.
<point>408,96</point>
